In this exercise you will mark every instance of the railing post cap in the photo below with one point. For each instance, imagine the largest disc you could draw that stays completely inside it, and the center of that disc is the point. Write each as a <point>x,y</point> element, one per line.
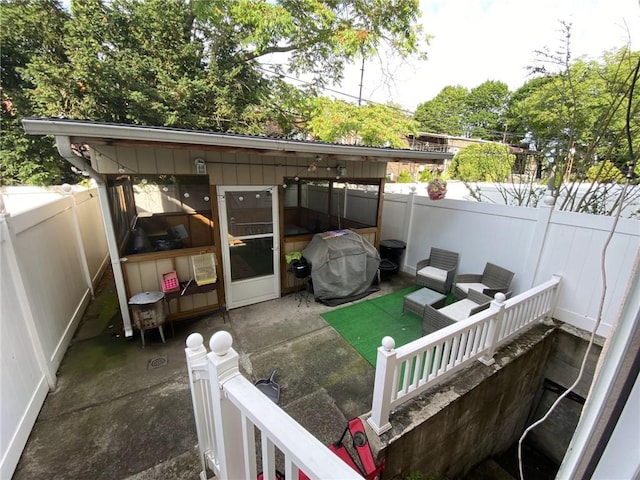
<point>194,341</point>
<point>66,188</point>
<point>388,343</point>
<point>500,297</point>
<point>220,343</point>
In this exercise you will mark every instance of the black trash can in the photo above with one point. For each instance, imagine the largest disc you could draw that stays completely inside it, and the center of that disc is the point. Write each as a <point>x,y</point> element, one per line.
<point>392,250</point>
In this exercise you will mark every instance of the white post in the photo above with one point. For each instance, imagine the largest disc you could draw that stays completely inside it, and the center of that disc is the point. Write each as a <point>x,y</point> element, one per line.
<point>548,320</point>
<point>383,387</point>
<point>223,365</point>
<point>197,364</point>
<point>497,307</point>
<point>78,234</point>
<point>407,226</point>
<point>538,239</point>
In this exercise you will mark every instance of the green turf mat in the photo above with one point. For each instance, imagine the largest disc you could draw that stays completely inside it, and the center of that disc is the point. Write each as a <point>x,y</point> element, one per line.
<point>364,324</point>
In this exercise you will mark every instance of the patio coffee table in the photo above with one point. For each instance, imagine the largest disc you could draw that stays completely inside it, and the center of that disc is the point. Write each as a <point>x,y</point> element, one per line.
<point>416,301</point>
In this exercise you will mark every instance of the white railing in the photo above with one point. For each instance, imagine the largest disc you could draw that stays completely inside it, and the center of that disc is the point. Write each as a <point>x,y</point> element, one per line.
<point>409,370</point>
<point>228,409</point>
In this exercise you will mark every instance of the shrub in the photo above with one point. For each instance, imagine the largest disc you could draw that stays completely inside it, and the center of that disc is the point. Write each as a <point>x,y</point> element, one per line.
<point>606,172</point>
<point>405,177</point>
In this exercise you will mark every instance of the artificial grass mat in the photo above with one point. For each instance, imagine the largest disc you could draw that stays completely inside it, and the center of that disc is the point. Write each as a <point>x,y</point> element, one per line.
<point>364,324</point>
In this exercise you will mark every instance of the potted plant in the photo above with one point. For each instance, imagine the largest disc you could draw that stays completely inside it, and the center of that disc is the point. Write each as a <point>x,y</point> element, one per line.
<point>437,189</point>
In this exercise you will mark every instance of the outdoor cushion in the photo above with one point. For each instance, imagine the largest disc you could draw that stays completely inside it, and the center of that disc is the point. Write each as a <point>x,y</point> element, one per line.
<point>433,272</point>
<point>459,310</point>
<point>473,286</point>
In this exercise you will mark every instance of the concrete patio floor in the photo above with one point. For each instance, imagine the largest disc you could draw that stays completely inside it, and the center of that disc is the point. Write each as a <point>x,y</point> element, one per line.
<point>120,411</point>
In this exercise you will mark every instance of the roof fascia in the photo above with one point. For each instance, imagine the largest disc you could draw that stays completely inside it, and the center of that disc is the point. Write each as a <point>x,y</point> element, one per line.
<point>40,126</point>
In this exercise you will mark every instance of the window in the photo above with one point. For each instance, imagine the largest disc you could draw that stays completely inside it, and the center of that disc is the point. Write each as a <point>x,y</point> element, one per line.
<point>313,206</point>
<point>171,211</point>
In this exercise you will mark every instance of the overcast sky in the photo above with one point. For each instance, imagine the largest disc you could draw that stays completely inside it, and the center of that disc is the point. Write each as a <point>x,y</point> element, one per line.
<point>479,40</point>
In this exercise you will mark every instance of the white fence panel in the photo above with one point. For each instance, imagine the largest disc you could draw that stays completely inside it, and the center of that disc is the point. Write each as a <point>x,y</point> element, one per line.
<point>573,249</point>
<point>91,225</point>
<point>46,283</point>
<point>49,260</point>
<point>24,384</point>
<point>535,243</point>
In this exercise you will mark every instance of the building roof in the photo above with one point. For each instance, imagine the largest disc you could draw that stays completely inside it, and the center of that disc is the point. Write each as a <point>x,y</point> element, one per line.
<point>85,131</point>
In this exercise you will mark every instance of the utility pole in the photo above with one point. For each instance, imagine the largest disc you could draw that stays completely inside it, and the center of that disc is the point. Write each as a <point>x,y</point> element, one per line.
<point>361,81</point>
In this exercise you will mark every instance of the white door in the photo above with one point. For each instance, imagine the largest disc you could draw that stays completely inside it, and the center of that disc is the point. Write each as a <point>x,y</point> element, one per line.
<point>250,243</point>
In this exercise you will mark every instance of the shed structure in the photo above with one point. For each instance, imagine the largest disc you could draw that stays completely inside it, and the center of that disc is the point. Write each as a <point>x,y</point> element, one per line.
<point>242,204</point>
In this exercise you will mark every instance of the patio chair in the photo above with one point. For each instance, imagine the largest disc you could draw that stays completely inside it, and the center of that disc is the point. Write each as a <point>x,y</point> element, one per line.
<point>435,319</point>
<point>492,280</point>
<point>438,271</point>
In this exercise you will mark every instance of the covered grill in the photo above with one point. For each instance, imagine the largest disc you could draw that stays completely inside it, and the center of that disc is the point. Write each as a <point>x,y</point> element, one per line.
<point>343,266</point>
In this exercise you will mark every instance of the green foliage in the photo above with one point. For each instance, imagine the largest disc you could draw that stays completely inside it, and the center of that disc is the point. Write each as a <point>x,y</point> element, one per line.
<point>605,172</point>
<point>29,31</point>
<point>373,125</point>
<point>426,175</point>
<point>191,64</point>
<point>404,177</point>
<point>581,107</point>
<point>444,113</point>
<point>486,110</point>
<point>488,162</point>
<point>479,113</point>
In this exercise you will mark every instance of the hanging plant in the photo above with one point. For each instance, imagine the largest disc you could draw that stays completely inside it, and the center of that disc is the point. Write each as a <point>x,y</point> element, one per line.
<point>437,189</point>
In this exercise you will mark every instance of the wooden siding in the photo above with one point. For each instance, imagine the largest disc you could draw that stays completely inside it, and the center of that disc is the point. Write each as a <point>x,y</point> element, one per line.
<point>225,168</point>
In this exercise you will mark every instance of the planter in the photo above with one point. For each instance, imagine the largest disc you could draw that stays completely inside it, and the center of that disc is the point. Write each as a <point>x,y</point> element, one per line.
<point>437,189</point>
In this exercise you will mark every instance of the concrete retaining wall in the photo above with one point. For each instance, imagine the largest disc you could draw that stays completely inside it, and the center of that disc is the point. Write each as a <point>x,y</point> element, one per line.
<point>553,436</point>
<point>479,413</point>
<point>484,410</point>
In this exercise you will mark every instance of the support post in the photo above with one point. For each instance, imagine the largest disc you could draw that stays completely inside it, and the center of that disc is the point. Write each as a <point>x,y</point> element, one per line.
<point>497,306</point>
<point>197,364</point>
<point>227,419</point>
<point>383,387</point>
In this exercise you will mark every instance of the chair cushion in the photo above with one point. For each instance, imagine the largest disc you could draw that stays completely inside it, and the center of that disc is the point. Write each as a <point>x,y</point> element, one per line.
<point>433,272</point>
<point>458,310</point>
<point>475,286</point>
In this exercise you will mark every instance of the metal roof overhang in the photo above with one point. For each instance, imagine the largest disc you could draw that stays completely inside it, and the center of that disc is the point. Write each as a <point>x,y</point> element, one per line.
<point>112,133</point>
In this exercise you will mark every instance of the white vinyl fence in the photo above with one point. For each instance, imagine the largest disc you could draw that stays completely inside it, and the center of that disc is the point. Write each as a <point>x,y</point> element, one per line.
<point>535,243</point>
<point>51,256</point>
<point>228,409</point>
<point>409,370</point>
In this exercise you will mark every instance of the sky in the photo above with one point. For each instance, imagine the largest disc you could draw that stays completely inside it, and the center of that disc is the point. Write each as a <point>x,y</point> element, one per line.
<point>479,40</point>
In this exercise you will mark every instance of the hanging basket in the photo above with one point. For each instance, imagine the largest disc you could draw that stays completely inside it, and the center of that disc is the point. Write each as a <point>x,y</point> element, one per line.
<point>437,189</point>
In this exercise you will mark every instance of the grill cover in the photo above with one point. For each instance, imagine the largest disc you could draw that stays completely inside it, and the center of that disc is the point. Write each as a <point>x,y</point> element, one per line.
<point>343,264</point>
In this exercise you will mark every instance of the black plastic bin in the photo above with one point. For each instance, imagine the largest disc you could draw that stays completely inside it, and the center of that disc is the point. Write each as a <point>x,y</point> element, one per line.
<point>392,250</point>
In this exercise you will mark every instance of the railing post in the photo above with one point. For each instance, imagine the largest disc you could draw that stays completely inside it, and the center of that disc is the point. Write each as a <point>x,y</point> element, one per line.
<point>223,365</point>
<point>497,307</point>
<point>382,388</point>
<point>548,319</point>
<point>196,354</point>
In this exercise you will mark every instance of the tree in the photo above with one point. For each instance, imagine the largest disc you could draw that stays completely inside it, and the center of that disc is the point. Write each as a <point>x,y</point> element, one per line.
<point>486,162</point>
<point>486,107</point>
<point>575,114</point>
<point>372,125</point>
<point>317,37</point>
<point>29,29</point>
<point>445,113</point>
<point>193,64</point>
